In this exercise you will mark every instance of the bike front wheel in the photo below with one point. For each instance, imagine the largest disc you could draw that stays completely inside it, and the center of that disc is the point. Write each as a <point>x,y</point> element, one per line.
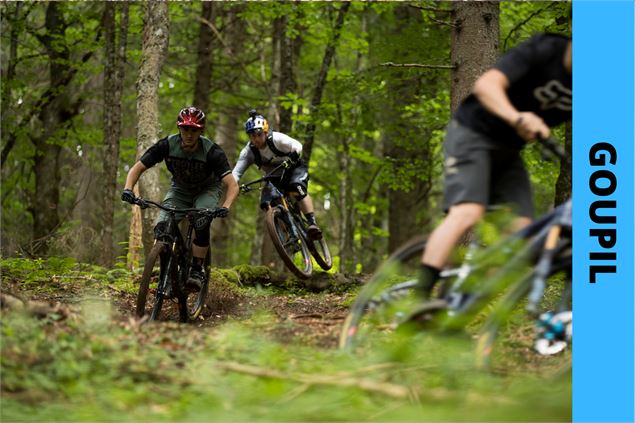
<point>388,298</point>
<point>191,303</point>
<point>292,249</point>
<point>152,261</point>
<point>320,251</point>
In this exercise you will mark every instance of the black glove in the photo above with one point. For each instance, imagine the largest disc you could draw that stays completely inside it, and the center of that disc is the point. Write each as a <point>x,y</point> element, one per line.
<point>294,157</point>
<point>222,212</point>
<point>128,196</point>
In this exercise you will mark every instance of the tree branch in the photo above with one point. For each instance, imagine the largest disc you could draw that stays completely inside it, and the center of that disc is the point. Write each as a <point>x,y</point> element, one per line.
<point>520,24</point>
<point>416,65</point>
<point>383,388</point>
<point>431,9</point>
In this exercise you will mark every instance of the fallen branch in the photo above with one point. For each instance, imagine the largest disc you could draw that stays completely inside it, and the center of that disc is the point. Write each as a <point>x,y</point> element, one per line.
<point>389,389</point>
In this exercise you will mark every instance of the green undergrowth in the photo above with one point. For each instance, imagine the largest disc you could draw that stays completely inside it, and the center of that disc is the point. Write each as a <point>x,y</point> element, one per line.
<point>95,370</point>
<point>55,273</point>
<point>89,366</point>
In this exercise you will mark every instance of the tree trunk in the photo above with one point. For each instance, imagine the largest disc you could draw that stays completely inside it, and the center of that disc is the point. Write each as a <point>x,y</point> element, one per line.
<point>475,38</point>
<point>347,211</point>
<point>226,129</point>
<point>47,159</point>
<point>225,132</point>
<point>204,61</point>
<point>153,54</point>
<point>113,86</point>
<point>316,99</point>
<point>289,50</point>
<point>8,137</point>
<point>563,184</point>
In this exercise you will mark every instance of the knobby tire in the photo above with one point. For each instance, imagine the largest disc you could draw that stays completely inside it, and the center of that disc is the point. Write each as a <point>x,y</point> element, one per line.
<point>320,251</point>
<point>280,232</point>
<point>191,304</point>
<point>360,310</point>
<point>148,269</point>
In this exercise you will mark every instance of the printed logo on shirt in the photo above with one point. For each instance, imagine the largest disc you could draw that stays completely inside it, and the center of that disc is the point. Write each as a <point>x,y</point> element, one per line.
<point>553,96</point>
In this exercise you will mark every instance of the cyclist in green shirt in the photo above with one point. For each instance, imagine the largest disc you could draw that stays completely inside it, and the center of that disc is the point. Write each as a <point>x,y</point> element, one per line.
<point>199,169</point>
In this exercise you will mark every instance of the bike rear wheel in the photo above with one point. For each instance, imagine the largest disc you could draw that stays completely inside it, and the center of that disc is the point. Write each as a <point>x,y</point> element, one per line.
<point>152,260</point>
<point>386,300</point>
<point>293,250</point>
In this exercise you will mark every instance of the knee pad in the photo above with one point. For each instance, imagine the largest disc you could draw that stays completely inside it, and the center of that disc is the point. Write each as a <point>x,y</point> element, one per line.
<point>159,229</point>
<point>202,237</point>
<point>299,191</point>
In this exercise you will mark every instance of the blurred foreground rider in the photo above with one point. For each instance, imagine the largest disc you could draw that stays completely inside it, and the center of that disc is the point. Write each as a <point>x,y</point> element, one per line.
<point>527,92</point>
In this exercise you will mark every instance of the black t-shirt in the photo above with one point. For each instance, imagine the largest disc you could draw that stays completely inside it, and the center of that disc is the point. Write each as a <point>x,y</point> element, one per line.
<point>538,82</point>
<point>201,169</point>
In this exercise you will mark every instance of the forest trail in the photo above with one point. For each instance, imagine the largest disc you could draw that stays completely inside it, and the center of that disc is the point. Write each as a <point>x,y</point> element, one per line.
<point>306,312</point>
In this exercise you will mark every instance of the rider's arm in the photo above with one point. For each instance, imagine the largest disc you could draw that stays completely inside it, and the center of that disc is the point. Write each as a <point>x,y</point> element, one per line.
<point>286,144</point>
<point>491,91</point>
<point>245,160</point>
<point>231,188</point>
<point>133,175</point>
<point>153,155</point>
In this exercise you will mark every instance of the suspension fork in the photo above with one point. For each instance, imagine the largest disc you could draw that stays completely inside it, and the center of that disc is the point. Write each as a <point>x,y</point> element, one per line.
<point>543,269</point>
<point>288,217</point>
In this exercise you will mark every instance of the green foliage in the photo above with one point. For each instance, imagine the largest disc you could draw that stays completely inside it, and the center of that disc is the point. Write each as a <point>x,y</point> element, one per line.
<point>379,129</point>
<point>55,272</point>
<point>75,371</point>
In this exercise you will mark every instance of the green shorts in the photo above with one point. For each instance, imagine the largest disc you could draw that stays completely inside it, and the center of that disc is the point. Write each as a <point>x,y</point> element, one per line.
<point>181,198</point>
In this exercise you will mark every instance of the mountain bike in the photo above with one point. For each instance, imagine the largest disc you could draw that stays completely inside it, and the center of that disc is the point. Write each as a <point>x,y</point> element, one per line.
<point>173,254</point>
<point>503,274</point>
<point>287,228</point>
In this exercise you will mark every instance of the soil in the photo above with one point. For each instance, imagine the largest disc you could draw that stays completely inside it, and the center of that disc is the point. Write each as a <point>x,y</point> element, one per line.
<point>302,316</point>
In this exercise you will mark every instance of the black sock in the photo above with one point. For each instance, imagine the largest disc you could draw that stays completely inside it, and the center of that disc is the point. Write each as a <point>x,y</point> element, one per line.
<point>428,276</point>
<point>197,263</point>
<point>310,217</point>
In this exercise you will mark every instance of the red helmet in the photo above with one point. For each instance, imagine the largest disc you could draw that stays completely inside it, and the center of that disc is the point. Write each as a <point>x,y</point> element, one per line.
<point>191,116</point>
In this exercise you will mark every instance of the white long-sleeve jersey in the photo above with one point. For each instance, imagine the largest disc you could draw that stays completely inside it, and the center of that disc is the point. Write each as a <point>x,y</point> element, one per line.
<point>282,142</point>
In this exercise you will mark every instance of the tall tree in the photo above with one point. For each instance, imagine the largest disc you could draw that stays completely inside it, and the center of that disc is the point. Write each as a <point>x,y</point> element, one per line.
<point>8,76</point>
<point>204,57</point>
<point>156,33</point>
<point>564,181</point>
<point>227,124</point>
<point>55,110</point>
<point>113,86</point>
<point>475,38</point>
<point>318,90</point>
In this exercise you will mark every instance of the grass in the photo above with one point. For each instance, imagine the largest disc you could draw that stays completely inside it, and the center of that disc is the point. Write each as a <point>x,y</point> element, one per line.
<point>93,366</point>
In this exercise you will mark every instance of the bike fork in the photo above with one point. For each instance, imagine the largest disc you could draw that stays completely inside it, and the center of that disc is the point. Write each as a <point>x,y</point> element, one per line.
<point>542,270</point>
<point>165,274</point>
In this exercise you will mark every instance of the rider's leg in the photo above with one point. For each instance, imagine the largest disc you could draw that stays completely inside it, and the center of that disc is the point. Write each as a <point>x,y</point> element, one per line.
<point>297,184</point>
<point>460,218</point>
<point>210,199</point>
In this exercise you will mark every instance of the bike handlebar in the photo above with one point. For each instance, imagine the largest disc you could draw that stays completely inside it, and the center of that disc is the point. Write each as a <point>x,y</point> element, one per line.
<point>553,146</point>
<point>285,164</point>
<point>144,203</point>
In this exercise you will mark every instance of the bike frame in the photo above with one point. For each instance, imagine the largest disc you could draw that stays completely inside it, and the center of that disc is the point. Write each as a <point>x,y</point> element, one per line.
<point>175,257</point>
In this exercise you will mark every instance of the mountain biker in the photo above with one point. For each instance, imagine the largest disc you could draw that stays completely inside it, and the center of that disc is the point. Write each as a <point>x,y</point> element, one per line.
<point>198,166</point>
<point>517,101</point>
<point>268,149</point>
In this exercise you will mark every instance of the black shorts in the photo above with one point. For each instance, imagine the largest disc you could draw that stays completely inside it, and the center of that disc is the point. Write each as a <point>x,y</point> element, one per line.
<point>479,170</point>
<point>295,180</point>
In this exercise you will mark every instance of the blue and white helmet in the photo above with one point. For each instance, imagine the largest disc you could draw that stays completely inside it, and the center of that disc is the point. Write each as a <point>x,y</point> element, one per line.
<point>255,122</point>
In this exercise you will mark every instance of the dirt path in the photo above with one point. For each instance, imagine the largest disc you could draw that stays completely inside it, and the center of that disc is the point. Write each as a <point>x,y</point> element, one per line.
<point>301,316</point>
